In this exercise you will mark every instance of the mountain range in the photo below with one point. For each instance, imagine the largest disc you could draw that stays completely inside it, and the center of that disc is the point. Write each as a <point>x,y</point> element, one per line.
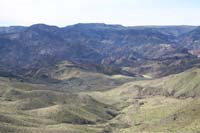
<point>99,78</point>
<point>128,49</point>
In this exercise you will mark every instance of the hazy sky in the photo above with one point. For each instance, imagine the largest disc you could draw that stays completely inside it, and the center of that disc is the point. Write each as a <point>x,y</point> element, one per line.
<point>125,12</point>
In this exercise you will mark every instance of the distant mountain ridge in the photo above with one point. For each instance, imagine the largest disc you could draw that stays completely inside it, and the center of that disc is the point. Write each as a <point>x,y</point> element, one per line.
<point>134,50</point>
<point>11,29</point>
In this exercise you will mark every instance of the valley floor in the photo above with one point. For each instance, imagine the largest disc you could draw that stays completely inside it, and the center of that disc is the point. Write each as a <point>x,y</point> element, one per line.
<point>159,105</point>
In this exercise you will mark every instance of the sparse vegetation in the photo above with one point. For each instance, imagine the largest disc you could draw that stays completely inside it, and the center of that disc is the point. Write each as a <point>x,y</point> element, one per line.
<point>158,105</point>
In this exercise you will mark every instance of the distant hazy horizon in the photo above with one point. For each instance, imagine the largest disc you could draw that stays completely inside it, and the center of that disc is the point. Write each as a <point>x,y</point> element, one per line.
<point>98,23</point>
<point>124,12</point>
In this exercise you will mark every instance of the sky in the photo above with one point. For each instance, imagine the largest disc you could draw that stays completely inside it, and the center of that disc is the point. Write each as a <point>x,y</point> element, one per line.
<point>124,12</point>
